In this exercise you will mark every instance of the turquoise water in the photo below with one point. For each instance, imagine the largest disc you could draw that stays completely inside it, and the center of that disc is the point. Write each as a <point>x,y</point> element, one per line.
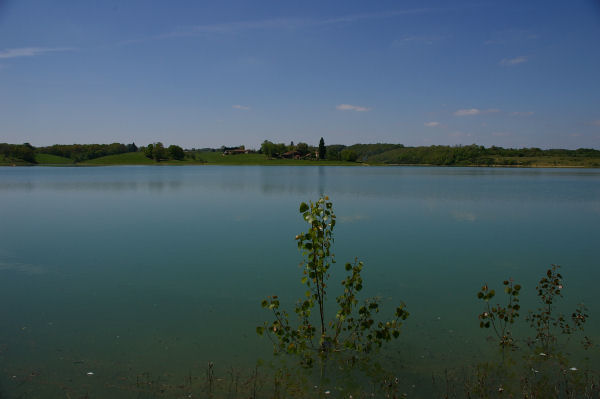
<point>122,271</point>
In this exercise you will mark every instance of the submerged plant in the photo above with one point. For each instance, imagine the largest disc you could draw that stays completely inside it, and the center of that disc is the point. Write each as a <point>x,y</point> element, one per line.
<point>546,322</point>
<point>354,329</point>
<point>547,371</point>
<point>499,317</point>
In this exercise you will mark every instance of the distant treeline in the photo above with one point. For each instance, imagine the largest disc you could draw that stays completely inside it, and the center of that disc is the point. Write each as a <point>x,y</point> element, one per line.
<point>379,153</point>
<point>76,152</point>
<point>461,155</point>
<point>82,152</point>
<point>453,155</point>
<point>17,152</point>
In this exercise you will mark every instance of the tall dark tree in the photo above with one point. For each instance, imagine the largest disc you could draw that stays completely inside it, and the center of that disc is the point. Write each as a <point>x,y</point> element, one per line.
<point>176,152</point>
<point>322,149</point>
<point>159,152</point>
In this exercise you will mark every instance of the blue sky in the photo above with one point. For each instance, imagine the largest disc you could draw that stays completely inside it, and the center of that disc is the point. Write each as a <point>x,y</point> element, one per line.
<point>198,74</point>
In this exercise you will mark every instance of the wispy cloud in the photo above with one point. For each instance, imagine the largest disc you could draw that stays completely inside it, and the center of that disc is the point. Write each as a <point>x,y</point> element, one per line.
<point>526,113</point>
<point>514,61</point>
<point>467,112</point>
<point>596,123</point>
<point>475,111</point>
<point>288,23</point>
<point>511,35</point>
<point>410,39</point>
<point>242,107</point>
<point>349,107</point>
<point>30,51</point>
<point>432,124</point>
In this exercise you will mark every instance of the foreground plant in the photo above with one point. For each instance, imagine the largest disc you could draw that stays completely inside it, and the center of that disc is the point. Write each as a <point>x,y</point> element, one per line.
<point>546,322</point>
<point>500,317</point>
<point>547,369</point>
<point>354,329</point>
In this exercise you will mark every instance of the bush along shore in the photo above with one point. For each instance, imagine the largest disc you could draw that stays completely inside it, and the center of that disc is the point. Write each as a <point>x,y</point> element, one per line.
<point>295,154</point>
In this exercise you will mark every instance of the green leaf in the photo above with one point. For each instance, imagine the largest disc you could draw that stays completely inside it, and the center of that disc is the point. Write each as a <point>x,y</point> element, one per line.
<point>303,207</point>
<point>260,330</point>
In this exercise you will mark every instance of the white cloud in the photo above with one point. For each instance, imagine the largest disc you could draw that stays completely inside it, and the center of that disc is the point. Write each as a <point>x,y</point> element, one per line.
<point>527,113</point>
<point>475,111</point>
<point>242,107</point>
<point>514,61</point>
<point>467,112</point>
<point>30,51</point>
<point>349,107</point>
<point>431,124</point>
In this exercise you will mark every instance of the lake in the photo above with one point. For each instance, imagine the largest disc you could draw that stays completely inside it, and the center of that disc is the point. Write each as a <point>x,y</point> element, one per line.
<point>145,274</point>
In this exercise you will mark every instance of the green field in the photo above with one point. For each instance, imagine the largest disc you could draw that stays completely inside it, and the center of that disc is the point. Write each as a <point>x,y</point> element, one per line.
<point>216,158</point>
<point>370,154</point>
<point>49,159</point>
<point>128,158</point>
<point>259,159</point>
<point>549,162</point>
<point>202,158</point>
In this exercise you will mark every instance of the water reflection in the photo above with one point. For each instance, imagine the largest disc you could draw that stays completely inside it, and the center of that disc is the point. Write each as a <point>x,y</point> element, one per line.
<point>417,183</point>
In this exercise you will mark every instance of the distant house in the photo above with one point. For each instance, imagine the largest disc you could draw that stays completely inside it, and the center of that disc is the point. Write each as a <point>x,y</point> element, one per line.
<point>236,151</point>
<point>291,155</point>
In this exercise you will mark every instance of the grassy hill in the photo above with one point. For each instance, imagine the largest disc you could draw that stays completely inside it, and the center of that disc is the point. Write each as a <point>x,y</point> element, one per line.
<point>49,159</point>
<point>128,158</point>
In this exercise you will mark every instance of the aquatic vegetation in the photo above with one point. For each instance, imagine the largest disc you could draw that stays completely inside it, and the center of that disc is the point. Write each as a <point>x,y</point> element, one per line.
<point>354,330</point>
<point>549,325</point>
<point>499,317</point>
<point>546,369</point>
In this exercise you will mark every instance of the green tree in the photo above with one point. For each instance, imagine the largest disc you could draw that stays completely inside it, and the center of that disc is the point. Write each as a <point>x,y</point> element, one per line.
<point>349,155</point>
<point>176,152</point>
<point>302,148</point>
<point>159,152</point>
<point>322,149</point>
<point>268,148</point>
<point>353,330</point>
<point>149,151</point>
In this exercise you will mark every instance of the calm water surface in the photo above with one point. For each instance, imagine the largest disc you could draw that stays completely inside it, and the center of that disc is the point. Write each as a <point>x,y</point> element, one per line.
<point>127,270</point>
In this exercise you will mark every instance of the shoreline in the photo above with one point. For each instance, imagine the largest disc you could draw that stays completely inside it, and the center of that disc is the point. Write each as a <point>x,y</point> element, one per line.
<point>333,163</point>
